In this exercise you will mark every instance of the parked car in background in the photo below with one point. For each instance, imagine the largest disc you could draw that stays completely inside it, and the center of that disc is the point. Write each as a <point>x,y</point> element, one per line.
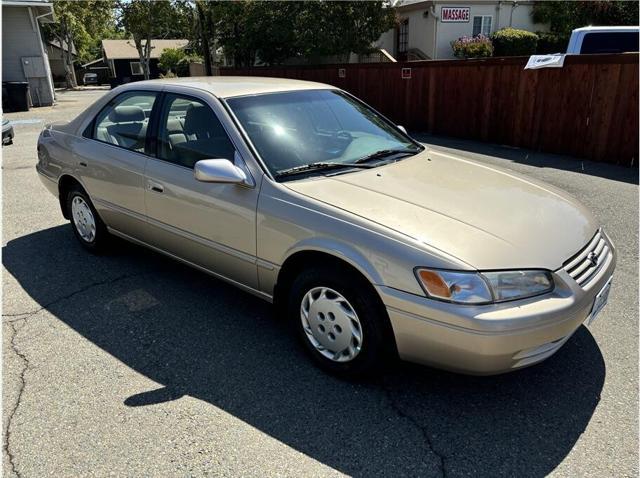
<point>7,132</point>
<point>90,79</point>
<point>604,40</point>
<point>370,243</point>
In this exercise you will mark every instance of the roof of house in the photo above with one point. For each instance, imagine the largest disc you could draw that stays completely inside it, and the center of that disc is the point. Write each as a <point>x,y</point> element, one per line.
<point>126,49</point>
<point>56,44</point>
<point>408,5</point>
<point>28,3</point>
<point>93,62</point>
<point>44,8</point>
<point>229,86</point>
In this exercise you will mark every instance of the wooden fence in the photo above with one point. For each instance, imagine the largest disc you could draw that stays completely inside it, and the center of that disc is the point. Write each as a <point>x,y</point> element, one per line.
<point>588,108</point>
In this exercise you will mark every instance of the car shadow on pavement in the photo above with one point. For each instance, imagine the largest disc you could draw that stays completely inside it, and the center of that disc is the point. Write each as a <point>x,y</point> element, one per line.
<point>200,337</point>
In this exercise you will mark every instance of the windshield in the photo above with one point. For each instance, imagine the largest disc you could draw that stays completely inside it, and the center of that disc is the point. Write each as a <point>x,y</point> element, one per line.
<point>299,128</point>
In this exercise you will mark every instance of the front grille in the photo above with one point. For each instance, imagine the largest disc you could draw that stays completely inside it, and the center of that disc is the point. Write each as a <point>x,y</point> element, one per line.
<point>585,264</point>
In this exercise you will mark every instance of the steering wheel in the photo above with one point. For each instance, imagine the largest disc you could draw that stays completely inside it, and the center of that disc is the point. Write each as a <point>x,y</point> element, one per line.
<point>342,134</point>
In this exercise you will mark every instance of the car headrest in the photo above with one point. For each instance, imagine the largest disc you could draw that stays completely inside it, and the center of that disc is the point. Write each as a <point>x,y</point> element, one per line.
<point>202,122</point>
<point>174,126</point>
<point>126,114</point>
<point>197,119</point>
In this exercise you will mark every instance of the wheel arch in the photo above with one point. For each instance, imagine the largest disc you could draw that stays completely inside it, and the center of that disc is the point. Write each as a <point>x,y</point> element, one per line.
<point>65,183</point>
<point>304,258</point>
<point>314,253</point>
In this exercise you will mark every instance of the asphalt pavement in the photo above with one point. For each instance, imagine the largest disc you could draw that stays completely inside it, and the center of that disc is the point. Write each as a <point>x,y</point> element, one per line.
<point>130,364</point>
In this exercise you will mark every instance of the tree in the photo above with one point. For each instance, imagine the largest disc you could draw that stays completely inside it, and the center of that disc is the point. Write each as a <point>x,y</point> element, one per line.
<point>236,23</point>
<point>75,24</point>
<point>91,48</point>
<point>205,33</point>
<point>145,20</point>
<point>351,27</point>
<point>171,58</point>
<point>563,16</point>
<point>274,31</point>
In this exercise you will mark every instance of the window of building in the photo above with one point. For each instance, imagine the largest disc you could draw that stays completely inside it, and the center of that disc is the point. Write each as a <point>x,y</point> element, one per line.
<point>403,37</point>
<point>136,68</point>
<point>482,24</point>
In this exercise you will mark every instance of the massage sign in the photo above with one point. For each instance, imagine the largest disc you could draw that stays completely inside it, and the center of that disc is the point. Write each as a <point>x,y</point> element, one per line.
<point>455,14</point>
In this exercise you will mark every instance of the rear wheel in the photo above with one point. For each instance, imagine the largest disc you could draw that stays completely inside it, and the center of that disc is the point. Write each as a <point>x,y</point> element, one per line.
<point>340,321</point>
<point>87,225</point>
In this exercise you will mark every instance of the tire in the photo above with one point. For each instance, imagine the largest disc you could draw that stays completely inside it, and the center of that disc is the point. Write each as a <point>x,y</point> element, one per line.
<point>85,221</point>
<point>376,337</point>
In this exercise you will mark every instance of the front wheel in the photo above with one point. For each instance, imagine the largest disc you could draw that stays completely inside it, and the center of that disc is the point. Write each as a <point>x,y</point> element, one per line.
<point>340,321</point>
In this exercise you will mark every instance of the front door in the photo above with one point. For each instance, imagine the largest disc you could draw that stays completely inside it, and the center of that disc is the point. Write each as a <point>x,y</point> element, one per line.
<point>210,225</point>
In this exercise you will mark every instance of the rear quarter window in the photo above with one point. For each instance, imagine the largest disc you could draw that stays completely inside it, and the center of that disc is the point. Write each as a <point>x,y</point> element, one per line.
<point>609,42</point>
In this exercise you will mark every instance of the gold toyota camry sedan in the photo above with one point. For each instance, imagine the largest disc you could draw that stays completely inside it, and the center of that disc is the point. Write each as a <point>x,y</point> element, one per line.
<point>372,245</point>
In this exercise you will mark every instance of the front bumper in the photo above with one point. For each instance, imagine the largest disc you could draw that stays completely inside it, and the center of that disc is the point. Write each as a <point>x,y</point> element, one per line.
<point>491,339</point>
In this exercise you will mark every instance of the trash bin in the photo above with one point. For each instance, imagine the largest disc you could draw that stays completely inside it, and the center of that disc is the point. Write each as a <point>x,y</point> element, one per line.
<point>17,95</point>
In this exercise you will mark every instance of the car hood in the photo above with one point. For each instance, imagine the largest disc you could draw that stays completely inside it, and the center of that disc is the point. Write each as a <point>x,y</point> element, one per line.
<point>487,217</point>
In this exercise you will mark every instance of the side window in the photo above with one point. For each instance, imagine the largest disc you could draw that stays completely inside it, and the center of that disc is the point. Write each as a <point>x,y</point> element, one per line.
<point>609,42</point>
<point>124,120</point>
<point>190,131</point>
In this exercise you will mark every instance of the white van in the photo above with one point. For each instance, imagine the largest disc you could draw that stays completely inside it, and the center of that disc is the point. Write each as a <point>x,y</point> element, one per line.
<point>603,40</point>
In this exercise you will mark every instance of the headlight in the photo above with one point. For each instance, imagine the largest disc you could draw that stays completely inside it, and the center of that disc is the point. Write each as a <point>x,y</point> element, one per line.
<point>510,285</point>
<point>477,288</point>
<point>463,287</point>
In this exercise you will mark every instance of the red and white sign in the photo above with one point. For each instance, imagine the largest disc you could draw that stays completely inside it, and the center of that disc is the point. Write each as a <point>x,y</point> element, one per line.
<point>455,14</point>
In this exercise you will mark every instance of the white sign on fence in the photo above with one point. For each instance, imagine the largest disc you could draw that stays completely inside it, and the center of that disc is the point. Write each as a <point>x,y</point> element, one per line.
<point>455,14</point>
<point>545,61</point>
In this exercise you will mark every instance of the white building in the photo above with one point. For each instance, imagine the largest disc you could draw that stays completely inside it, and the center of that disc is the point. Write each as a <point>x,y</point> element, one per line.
<point>427,28</point>
<point>24,54</point>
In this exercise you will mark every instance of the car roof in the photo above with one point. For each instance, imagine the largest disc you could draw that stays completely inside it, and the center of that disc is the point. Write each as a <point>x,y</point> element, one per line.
<point>629,28</point>
<point>228,86</point>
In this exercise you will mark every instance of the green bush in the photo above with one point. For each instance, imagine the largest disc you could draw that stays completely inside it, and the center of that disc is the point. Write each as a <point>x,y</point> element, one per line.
<point>551,43</point>
<point>513,42</point>
<point>472,47</point>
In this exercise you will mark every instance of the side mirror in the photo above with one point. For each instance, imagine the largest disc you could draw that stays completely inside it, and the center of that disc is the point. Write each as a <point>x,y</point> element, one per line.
<point>218,171</point>
<point>401,128</point>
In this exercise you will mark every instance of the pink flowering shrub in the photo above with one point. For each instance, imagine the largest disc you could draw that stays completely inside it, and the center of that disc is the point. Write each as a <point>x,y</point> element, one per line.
<point>479,46</point>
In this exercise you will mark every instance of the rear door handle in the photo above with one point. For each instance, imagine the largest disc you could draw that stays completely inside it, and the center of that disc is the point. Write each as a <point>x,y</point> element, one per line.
<point>83,164</point>
<point>155,187</point>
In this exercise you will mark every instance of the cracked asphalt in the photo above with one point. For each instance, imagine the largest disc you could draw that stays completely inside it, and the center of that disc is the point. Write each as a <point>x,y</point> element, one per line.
<point>130,364</point>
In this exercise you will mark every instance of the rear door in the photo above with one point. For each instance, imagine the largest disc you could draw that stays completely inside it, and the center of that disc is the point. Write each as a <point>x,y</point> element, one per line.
<point>210,225</point>
<point>112,157</point>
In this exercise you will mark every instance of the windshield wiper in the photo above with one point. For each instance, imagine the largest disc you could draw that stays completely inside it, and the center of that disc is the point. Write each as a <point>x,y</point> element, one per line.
<point>320,165</point>
<point>383,153</point>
